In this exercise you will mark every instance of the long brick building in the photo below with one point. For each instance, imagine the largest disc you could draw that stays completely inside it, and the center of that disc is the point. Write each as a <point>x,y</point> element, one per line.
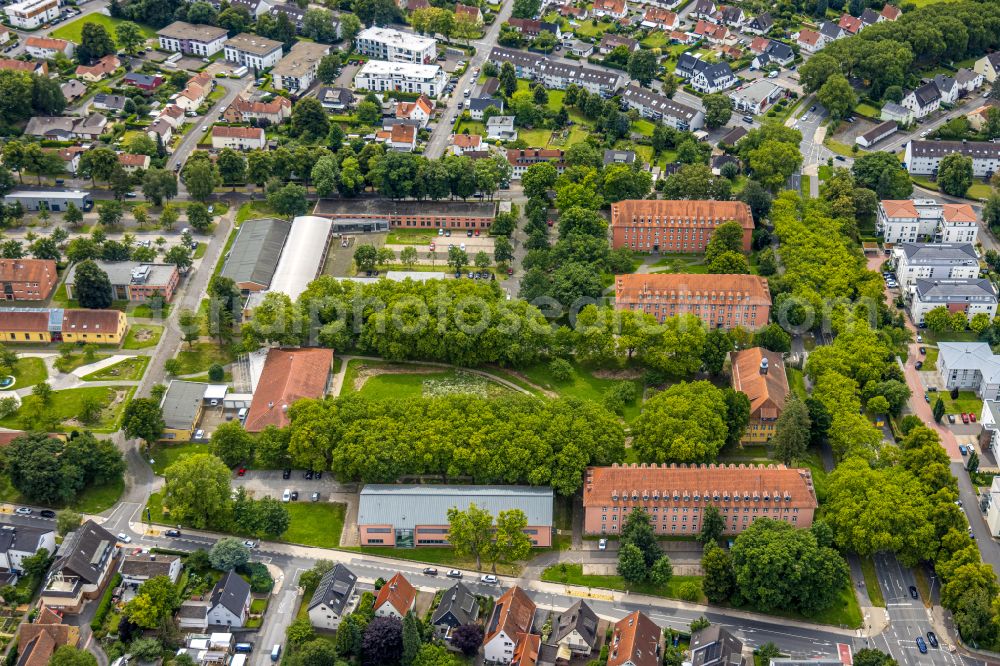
<point>675,496</point>
<point>655,226</point>
<point>721,301</point>
<point>27,279</point>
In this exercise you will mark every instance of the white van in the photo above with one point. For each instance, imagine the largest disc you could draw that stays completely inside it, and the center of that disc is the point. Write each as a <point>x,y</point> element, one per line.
<point>242,414</point>
<point>276,652</point>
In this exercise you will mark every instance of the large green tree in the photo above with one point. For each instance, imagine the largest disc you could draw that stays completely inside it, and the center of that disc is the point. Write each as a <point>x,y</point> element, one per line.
<point>470,532</point>
<point>954,175</point>
<point>91,286</point>
<point>791,436</point>
<point>684,423</point>
<point>197,491</point>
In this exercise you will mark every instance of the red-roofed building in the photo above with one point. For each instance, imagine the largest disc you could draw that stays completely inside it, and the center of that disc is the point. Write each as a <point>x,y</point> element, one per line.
<point>613,8</point>
<point>759,45</point>
<point>674,226</point>
<point>513,615</point>
<point>238,138</point>
<point>850,24</point>
<point>657,17</point>
<point>527,649</point>
<point>419,111</point>
<point>48,48</point>
<point>403,138</point>
<point>100,69</point>
<point>520,160</point>
<point>470,12</point>
<point>809,41</point>
<point>32,67</point>
<point>396,598</point>
<point>720,301</point>
<point>635,642</point>
<point>288,375</point>
<point>27,279</point>
<point>760,375</point>
<point>462,143</point>
<point>889,13</point>
<point>133,163</point>
<point>244,111</point>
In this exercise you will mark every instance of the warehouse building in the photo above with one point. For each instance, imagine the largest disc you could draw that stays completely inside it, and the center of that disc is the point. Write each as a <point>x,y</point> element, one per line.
<point>254,256</point>
<point>56,201</point>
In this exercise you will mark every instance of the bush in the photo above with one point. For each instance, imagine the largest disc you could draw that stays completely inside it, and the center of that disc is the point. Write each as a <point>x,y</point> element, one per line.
<point>216,373</point>
<point>102,609</point>
<point>561,370</point>
<point>690,591</point>
<point>260,577</point>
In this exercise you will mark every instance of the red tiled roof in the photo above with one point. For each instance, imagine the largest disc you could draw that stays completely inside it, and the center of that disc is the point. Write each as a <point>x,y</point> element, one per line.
<point>398,593</point>
<point>288,375</point>
<point>635,288</point>
<point>402,133</point>
<point>807,36</point>
<point>94,321</point>
<point>105,65</point>
<point>47,43</point>
<point>466,140</point>
<point>850,23</point>
<point>958,213</point>
<point>128,159</point>
<point>891,12</point>
<point>513,614</point>
<point>759,44</point>
<point>899,208</point>
<point>660,15</point>
<point>635,641</point>
<point>526,650</point>
<point>27,270</point>
<point>238,132</point>
<point>33,321</point>
<point>22,65</point>
<point>467,10</point>
<point>767,392</point>
<point>616,6</point>
<point>173,111</point>
<point>673,212</point>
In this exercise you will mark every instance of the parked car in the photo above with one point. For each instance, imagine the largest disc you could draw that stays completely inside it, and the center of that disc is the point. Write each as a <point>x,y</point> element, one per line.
<point>430,571</point>
<point>47,513</point>
<point>454,573</point>
<point>308,475</point>
<point>918,365</point>
<point>951,419</point>
<point>286,473</point>
<point>972,417</point>
<point>965,417</point>
<point>172,533</point>
<point>961,447</point>
<point>602,544</point>
<point>250,543</point>
<point>923,350</point>
<point>489,579</point>
<point>932,639</point>
<point>913,592</point>
<point>286,496</point>
<point>314,497</point>
<point>124,538</point>
<point>23,511</point>
<point>927,398</point>
<point>242,471</point>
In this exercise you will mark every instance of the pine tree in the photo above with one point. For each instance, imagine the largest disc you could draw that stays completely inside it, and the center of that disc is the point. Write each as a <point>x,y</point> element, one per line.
<point>938,410</point>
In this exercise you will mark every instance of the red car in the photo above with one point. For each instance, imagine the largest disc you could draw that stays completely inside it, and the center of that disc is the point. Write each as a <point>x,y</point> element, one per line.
<point>972,417</point>
<point>432,246</point>
<point>965,417</point>
<point>241,471</point>
<point>477,232</point>
<point>510,271</point>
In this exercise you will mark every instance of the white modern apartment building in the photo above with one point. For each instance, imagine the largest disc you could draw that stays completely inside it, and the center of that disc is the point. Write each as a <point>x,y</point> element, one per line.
<point>555,74</point>
<point>381,76</point>
<point>969,366</point>
<point>199,40</point>
<point>969,296</point>
<point>297,70</point>
<point>934,261</point>
<point>923,157</point>
<point>30,14</point>
<point>396,46</point>
<point>912,220</point>
<point>252,51</point>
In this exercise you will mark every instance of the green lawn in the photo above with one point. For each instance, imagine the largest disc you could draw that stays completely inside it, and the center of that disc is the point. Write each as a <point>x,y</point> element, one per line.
<point>141,336</point>
<point>166,455</point>
<point>979,189</point>
<point>416,381</point>
<point>315,523</point>
<point>843,612</point>
<point>681,263</point>
<point>796,381</point>
<point>410,236</point>
<point>804,184</point>
<point>867,110</point>
<point>643,127</point>
<point>73,31</point>
<point>131,369</point>
<point>251,210</point>
<point>572,574</point>
<point>73,361</point>
<point>66,404</point>
<point>29,371</point>
<point>966,402</point>
<point>838,147</point>
<point>440,555</point>
<point>535,138</point>
<point>143,311</point>
<point>871,582</point>
<point>201,356</point>
<point>93,499</point>
<point>930,359</point>
<point>587,28</point>
<point>583,385</point>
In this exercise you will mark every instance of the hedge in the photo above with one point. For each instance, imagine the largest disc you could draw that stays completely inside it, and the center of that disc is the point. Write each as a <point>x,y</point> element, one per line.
<point>105,605</point>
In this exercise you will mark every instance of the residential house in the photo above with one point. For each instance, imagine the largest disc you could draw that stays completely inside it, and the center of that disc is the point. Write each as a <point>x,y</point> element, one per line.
<point>733,136</point>
<point>252,51</point>
<point>574,631</point>
<point>758,45</point>
<point>923,157</point>
<point>414,515</point>
<point>32,14</point>
<point>890,13</point>
<point>635,642</point>
<point>230,602</point>
<point>288,375</point>
<point>831,31</point>
<point>948,88</point>
<point>133,280</point>
<point>459,144</point>
<point>478,105</point>
<point>557,75</point>
<point>910,220</point>
<point>419,111</point>
<point>809,41</point>
<point>382,75</point>
<point>70,157</point>
<point>651,104</point>
<point>780,53</point>
<point>573,12</point>
<point>897,112</point>
<point>513,614</point>
<point>20,541</point>
<point>877,133</point>
<point>191,98</point>
<point>533,27</point>
<point>136,569</point>
<point>87,560</point>
<point>989,419</point>
<point>755,97</point>
<point>520,160</point>
<point>296,72</point>
<point>72,90</point>
<point>256,8</point>
<point>64,128</point>
<point>108,102</point>
<point>934,261</point>
<point>716,646</point>
<point>970,296</point>
<point>63,325</point>
<point>869,17</point>
<point>37,641</point>
<point>145,82</point>
<point>988,66</point>
<point>31,67</point>
<point>969,366</point>
<point>47,48</point>
<point>703,76</point>
<point>680,37</point>
<point>851,25</point>
<point>132,163</point>
<point>333,599</point>
<point>472,12</point>
<point>610,42</point>
<point>402,138</point>
<point>617,9</point>
<point>162,130</point>
<point>458,606</point>
<point>714,33</point>
<point>968,80</point>
<point>737,300</point>
<point>193,615</point>
<point>923,101</point>
<point>760,375</point>
<point>238,138</point>
<point>338,100</point>
<point>760,24</point>
<point>646,225</point>
<point>527,650</point>
<point>704,9</point>
<point>501,128</point>
<point>395,46</point>
<point>200,40</point>
<point>101,69</point>
<point>396,598</point>
<point>731,16</point>
<point>613,156</point>
<point>659,18</point>
<point>182,405</point>
<point>243,110</point>
<point>977,118</point>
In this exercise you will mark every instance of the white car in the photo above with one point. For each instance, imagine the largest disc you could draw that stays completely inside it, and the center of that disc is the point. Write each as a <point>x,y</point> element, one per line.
<point>490,579</point>
<point>124,538</point>
<point>602,544</point>
<point>23,511</point>
<point>250,544</point>
<point>286,496</point>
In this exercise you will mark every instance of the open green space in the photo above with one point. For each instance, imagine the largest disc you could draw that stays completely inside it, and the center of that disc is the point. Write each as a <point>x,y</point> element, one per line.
<point>67,364</point>
<point>796,381</point>
<point>143,311</point>
<point>965,403</point>
<point>583,384</point>
<point>572,574</point>
<point>978,190</point>
<point>130,369</point>
<point>930,359</point>
<point>383,380</point>
<point>588,28</point>
<point>141,336</point>
<point>73,31</point>
<point>165,454</point>
<point>411,236</point>
<point>64,406</point>
<point>871,582</point>
<point>867,110</point>
<point>201,356</point>
<point>930,337</point>
<point>29,371</point>
<point>843,612</point>
<point>253,209</point>
<point>441,556</point>
<point>838,147</point>
<point>680,263</point>
<point>315,523</point>
<point>92,499</point>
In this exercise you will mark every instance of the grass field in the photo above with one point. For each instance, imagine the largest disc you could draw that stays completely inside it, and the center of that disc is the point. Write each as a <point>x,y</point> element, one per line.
<point>131,369</point>
<point>73,31</point>
<point>201,356</point>
<point>871,582</point>
<point>406,381</point>
<point>29,371</point>
<point>66,404</point>
<point>797,382</point>
<point>252,209</point>
<point>978,190</point>
<point>930,359</point>
<point>966,402</point>
<point>93,499</point>
<point>584,385</point>
<point>315,523</point>
<point>572,574</point>
<point>680,263</point>
<point>166,455</point>
<point>141,336</point>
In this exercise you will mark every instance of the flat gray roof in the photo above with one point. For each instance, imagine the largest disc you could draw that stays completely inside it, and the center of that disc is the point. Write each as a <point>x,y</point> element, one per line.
<point>255,254</point>
<point>388,207</point>
<point>407,506</point>
<point>182,403</point>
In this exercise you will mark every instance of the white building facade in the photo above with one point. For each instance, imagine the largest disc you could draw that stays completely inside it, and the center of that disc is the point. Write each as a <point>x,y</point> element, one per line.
<point>934,261</point>
<point>395,46</point>
<point>913,220</point>
<point>382,76</point>
<point>31,14</point>
<point>252,51</point>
